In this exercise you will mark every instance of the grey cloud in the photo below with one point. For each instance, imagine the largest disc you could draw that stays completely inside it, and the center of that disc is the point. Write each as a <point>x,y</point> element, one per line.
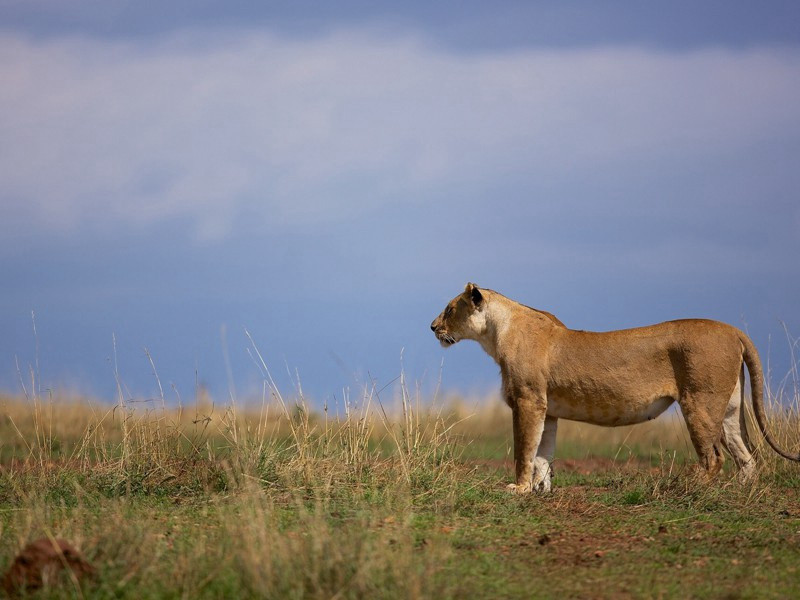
<point>101,134</point>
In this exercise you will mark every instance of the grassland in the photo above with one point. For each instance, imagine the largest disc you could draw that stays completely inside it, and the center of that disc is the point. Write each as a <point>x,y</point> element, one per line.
<point>384,499</point>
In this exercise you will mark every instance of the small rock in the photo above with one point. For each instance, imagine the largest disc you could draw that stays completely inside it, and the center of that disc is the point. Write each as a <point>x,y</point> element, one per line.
<point>543,540</point>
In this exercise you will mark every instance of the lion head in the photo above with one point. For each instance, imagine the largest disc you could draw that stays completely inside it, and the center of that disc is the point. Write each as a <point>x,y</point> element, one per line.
<point>462,318</point>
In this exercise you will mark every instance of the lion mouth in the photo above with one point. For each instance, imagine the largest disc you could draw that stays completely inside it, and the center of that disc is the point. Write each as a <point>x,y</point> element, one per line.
<point>445,339</point>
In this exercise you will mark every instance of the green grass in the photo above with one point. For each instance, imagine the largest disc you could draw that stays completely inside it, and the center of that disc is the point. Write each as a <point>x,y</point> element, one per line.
<point>290,505</point>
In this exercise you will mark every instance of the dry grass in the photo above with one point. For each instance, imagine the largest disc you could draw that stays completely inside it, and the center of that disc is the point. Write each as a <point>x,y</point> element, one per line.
<point>84,433</point>
<point>273,499</point>
<point>252,493</point>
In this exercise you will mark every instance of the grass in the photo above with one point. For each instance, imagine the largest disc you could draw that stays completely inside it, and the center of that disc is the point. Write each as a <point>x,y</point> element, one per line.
<point>276,501</point>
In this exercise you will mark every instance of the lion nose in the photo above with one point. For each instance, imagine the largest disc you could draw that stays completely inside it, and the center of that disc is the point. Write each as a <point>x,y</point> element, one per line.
<point>433,326</point>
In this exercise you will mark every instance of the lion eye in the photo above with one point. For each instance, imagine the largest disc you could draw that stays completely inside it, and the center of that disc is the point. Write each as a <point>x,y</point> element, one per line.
<point>447,311</point>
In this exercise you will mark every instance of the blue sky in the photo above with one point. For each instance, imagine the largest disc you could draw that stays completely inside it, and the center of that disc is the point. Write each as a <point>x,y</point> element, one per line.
<point>328,178</point>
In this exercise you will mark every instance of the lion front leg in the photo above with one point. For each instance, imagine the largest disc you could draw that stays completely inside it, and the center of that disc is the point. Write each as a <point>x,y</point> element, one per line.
<point>542,470</point>
<point>528,416</point>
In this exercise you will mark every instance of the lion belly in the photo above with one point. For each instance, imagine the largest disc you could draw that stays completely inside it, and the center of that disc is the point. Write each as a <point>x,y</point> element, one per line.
<point>603,409</point>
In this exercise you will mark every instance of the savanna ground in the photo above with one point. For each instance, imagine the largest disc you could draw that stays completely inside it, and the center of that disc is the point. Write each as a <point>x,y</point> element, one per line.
<point>385,498</point>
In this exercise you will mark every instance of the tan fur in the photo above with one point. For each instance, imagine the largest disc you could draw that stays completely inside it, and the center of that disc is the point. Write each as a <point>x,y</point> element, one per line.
<point>612,378</point>
<point>40,563</point>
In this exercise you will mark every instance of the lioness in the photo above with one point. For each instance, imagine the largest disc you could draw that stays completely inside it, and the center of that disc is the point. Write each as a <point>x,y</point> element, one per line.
<point>614,378</point>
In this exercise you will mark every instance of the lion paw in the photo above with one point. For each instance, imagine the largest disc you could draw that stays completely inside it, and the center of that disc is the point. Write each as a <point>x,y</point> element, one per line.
<point>543,487</point>
<point>541,475</point>
<point>747,472</point>
<point>519,489</point>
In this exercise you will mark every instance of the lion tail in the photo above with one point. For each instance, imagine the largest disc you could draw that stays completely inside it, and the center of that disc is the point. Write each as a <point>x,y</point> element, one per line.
<point>750,356</point>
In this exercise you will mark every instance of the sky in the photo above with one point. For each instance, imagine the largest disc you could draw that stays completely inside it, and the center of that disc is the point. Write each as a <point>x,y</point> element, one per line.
<point>326,176</point>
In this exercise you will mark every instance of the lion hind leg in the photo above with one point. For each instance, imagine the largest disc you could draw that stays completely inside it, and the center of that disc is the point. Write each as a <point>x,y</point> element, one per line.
<point>705,429</point>
<point>734,433</point>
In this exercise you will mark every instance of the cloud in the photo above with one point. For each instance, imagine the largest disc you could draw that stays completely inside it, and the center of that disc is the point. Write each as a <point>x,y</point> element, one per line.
<point>251,127</point>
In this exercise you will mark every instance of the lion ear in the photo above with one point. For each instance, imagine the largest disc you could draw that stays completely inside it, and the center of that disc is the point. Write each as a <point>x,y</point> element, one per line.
<point>474,294</point>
